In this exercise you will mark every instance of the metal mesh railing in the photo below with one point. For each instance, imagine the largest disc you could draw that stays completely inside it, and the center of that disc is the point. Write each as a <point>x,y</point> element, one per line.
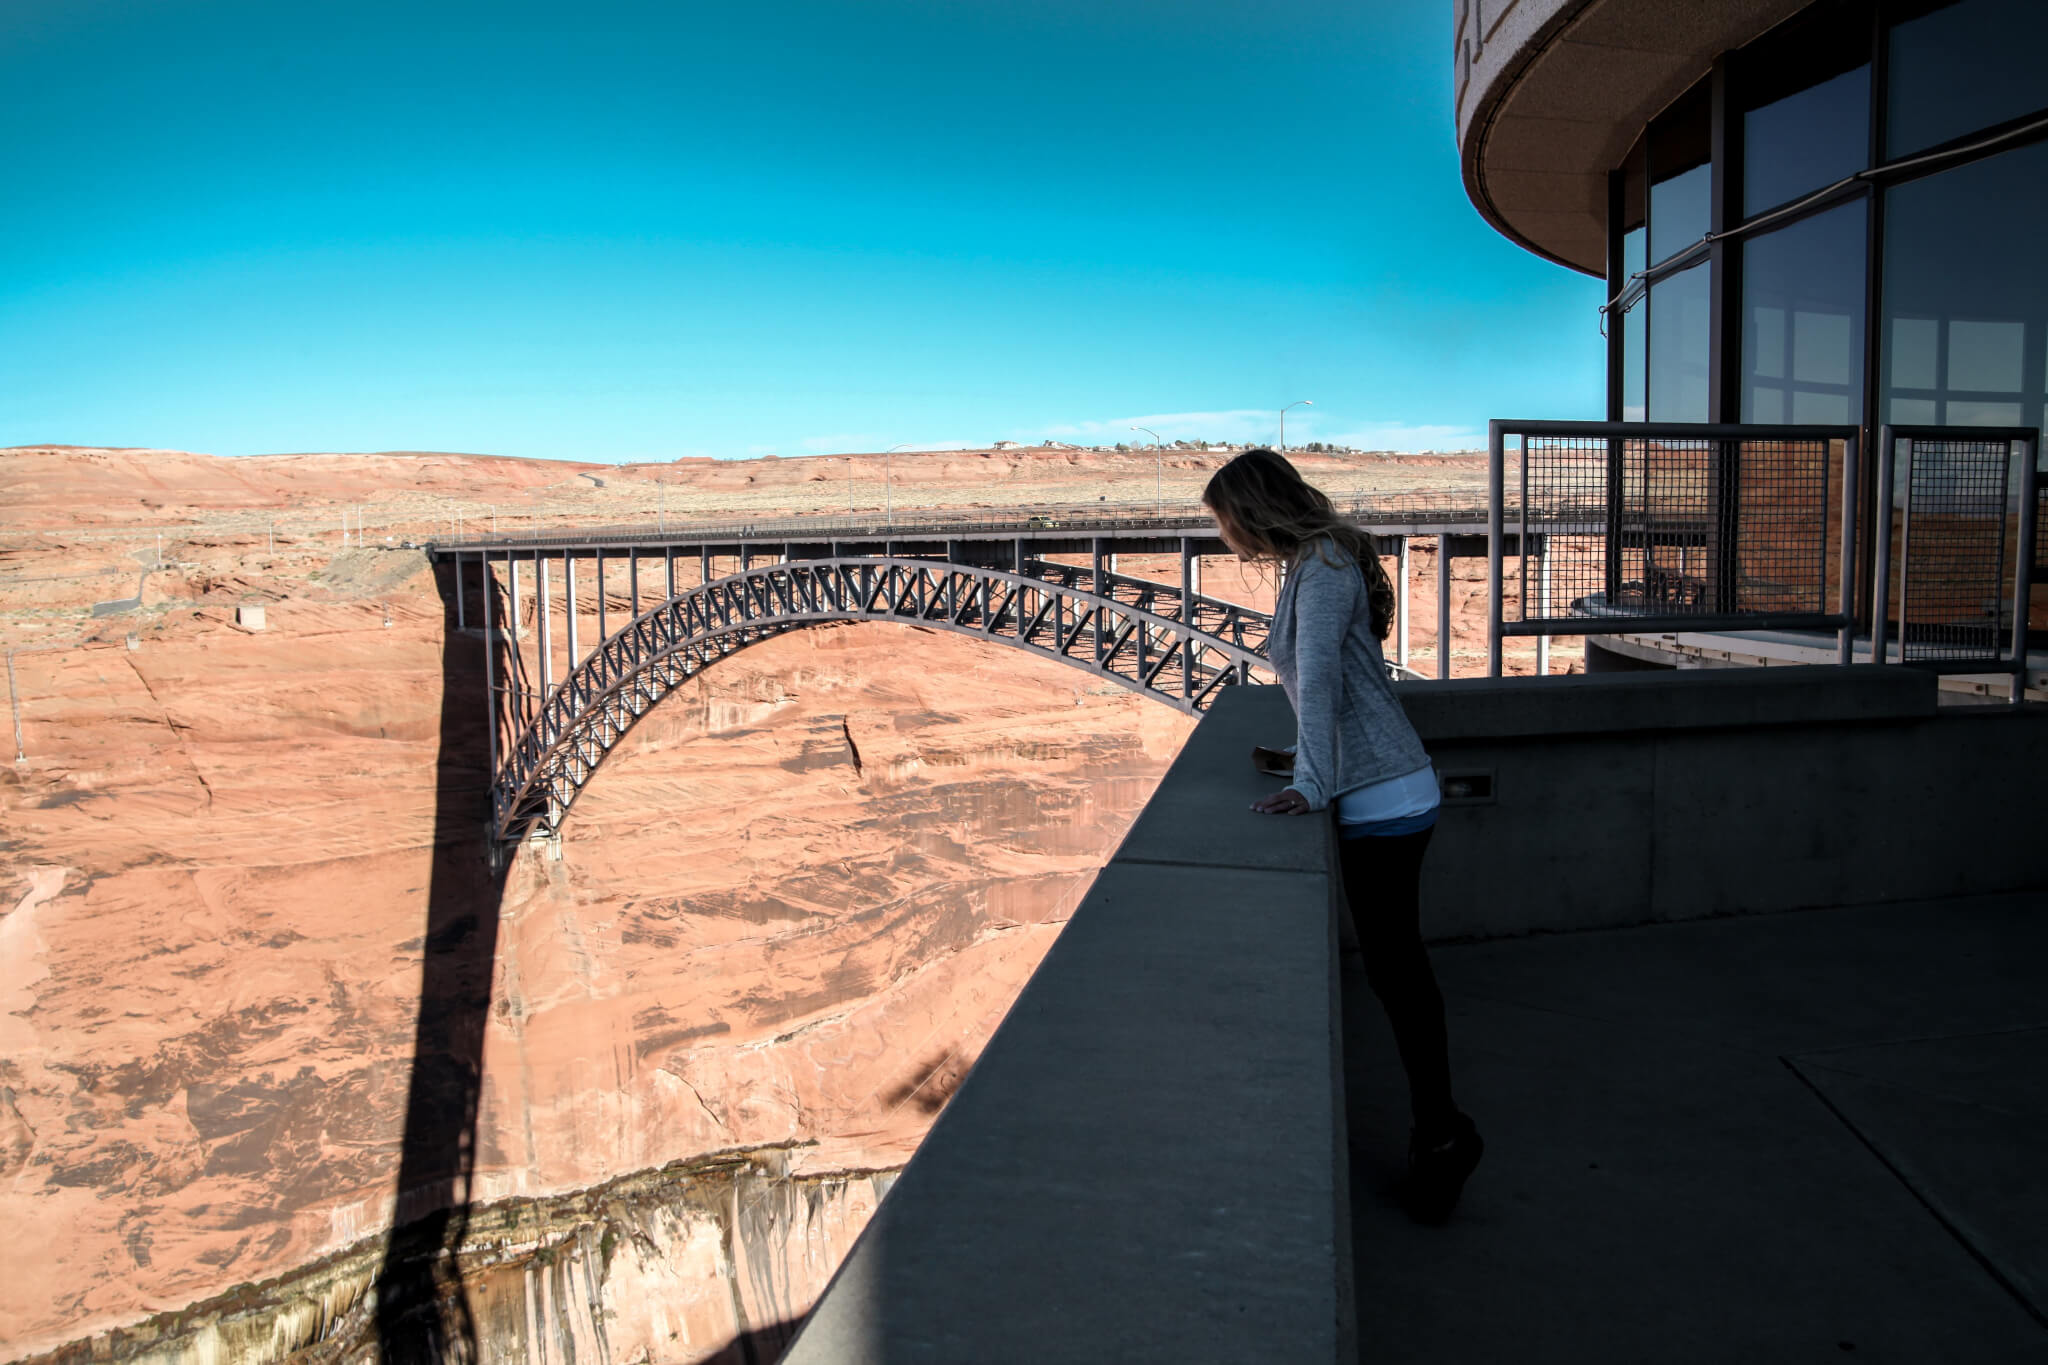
<point>1660,527</point>
<point>2040,539</point>
<point>1783,517</point>
<point>1952,548</point>
<point>1957,545</point>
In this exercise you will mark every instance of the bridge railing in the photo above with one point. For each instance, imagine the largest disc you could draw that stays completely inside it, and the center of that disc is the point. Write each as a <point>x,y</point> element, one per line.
<point>938,523</point>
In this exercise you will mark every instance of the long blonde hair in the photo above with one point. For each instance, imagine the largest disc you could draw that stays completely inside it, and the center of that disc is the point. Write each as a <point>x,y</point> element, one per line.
<point>1275,513</point>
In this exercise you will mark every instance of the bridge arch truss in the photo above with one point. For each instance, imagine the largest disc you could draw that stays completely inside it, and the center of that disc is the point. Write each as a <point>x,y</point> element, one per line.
<point>1165,642</point>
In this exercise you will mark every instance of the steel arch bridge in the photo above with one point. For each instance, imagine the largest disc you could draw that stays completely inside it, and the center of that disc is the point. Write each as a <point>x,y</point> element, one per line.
<point>1165,642</point>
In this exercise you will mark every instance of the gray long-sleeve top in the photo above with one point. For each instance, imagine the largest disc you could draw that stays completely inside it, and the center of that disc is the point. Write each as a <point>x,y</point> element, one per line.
<point>1351,730</point>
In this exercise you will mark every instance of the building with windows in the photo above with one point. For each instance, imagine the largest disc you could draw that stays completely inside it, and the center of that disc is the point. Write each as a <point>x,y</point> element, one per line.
<point>1821,212</point>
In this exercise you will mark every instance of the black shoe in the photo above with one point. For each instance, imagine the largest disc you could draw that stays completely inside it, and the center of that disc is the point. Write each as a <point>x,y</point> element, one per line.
<point>1437,1170</point>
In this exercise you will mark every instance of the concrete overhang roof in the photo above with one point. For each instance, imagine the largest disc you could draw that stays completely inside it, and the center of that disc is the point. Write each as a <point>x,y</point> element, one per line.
<point>1551,94</point>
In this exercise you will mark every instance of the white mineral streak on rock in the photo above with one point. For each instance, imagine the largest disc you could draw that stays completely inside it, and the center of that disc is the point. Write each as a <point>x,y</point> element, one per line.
<point>663,1266</point>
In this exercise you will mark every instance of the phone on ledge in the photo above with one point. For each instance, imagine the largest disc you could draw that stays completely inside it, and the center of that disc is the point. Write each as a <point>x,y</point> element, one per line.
<point>1272,762</point>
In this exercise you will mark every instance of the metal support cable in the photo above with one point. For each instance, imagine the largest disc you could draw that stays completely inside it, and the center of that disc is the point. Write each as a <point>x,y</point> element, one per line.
<point>1639,283</point>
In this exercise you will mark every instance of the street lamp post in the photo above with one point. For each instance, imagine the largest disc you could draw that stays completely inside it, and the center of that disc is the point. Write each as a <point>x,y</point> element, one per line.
<point>1158,498</point>
<point>1298,403</point>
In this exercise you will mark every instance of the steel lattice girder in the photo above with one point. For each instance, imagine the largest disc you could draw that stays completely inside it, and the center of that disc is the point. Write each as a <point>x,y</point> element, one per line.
<point>1142,644</point>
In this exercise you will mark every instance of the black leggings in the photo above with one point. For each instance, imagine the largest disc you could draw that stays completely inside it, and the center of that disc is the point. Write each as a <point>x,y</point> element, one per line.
<point>1382,883</point>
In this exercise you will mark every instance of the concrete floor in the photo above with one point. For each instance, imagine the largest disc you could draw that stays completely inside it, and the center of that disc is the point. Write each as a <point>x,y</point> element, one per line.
<point>1813,1136</point>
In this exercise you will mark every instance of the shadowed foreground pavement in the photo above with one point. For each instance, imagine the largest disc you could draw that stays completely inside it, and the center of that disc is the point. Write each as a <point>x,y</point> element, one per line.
<point>1795,1137</point>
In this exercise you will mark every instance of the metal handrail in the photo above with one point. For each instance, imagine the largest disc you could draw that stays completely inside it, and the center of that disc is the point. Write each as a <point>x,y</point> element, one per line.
<point>2028,442</point>
<point>1401,508</point>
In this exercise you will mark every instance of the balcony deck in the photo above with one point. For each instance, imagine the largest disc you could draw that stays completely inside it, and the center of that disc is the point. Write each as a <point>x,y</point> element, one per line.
<point>1773,648</point>
<point>1805,1136</point>
<point>1713,1133</point>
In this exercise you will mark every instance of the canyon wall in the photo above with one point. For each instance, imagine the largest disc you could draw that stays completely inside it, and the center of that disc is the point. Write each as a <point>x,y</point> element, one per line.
<point>262,993</point>
<point>713,1260</point>
<point>788,912</point>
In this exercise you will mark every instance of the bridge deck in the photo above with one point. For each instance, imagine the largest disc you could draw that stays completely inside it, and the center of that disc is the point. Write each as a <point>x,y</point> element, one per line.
<point>935,528</point>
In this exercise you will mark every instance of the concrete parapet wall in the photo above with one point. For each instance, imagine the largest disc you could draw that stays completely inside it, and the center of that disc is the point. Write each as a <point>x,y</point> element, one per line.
<point>1148,1161</point>
<point>1632,798</point>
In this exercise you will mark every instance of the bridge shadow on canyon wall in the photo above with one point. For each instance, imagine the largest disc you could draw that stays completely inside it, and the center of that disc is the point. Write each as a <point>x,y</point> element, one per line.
<point>423,1313</point>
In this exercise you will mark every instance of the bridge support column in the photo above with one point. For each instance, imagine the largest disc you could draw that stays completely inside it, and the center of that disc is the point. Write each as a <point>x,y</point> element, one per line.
<point>1095,586</point>
<point>603,632</point>
<point>1017,561</point>
<point>569,602</point>
<point>746,556</point>
<point>1443,606</point>
<point>460,623</point>
<point>1543,607</point>
<point>633,579</point>
<point>668,562</point>
<point>1401,609</point>
<point>547,629</point>
<point>512,605</point>
<point>704,564</point>
<point>490,665</point>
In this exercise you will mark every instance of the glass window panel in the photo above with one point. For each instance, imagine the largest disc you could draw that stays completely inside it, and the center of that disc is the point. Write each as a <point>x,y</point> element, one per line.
<point>1966,293</point>
<point>1965,67</point>
<point>1768,328</point>
<point>1679,336</point>
<point>1632,172</point>
<point>1802,310</point>
<point>1800,143</point>
<point>1825,346</point>
<point>1815,408</point>
<point>1679,211</point>
<point>1634,331</point>
<point>1964,412</point>
<point>1915,344</point>
<point>1632,322</point>
<point>1986,354</point>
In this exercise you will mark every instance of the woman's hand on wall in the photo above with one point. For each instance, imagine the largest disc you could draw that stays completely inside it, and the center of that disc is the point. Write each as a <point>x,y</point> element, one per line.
<point>1287,801</point>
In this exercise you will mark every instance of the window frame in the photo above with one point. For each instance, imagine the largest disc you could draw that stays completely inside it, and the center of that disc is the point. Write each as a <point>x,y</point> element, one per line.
<point>1738,81</point>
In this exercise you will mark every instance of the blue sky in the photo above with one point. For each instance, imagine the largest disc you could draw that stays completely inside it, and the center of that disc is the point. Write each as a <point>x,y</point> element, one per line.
<point>641,231</point>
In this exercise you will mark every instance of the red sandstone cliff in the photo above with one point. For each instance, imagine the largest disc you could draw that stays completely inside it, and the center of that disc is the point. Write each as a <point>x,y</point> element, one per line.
<point>791,908</point>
